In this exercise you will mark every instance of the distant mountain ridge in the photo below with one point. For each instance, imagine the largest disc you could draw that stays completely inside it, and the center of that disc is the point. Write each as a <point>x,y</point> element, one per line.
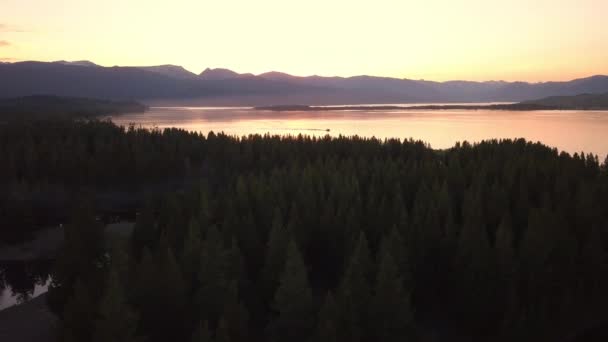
<point>174,84</point>
<point>170,70</point>
<point>581,101</point>
<point>79,63</point>
<point>221,74</point>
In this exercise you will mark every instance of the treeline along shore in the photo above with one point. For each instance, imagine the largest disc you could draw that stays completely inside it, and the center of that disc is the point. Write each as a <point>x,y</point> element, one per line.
<point>304,108</point>
<point>578,102</point>
<point>49,107</point>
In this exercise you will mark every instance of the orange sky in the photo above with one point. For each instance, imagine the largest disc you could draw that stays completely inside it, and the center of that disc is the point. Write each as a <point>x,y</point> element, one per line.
<point>530,40</point>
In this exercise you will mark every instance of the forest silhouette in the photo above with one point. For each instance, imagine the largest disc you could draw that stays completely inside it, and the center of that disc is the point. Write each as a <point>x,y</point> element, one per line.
<point>316,239</point>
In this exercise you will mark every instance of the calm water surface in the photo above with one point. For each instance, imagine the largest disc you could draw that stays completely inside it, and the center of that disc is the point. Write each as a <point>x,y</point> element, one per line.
<point>22,281</point>
<point>570,131</point>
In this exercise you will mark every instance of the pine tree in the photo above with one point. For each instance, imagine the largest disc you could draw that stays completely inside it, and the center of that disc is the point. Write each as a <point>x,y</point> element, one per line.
<point>473,240</point>
<point>121,262</point>
<point>116,321</point>
<point>201,333</point>
<point>421,229</point>
<point>250,243</point>
<point>222,333</point>
<point>506,282</point>
<point>328,320</point>
<point>145,280</point>
<point>160,296</point>
<point>504,246</point>
<point>80,258</point>
<point>595,270</point>
<point>474,263</point>
<point>204,210</point>
<point>275,256</point>
<point>214,288</point>
<point>172,294</point>
<point>293,300</point>
<point>78,316</point>
<point>355,293</point>
<point>236,319</point>
<point>390,309</point>
<point>169,221</point>
<point>145,232</point>
<point>191,252</point>
<point>393,243</point>
<point>235,272</point>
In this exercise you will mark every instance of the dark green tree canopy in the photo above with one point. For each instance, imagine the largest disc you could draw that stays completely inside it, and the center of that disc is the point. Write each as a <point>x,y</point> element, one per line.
<point>501,240</point>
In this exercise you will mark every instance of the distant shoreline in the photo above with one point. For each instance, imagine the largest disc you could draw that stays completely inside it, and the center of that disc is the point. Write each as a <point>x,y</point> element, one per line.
<point>515,107</point>
<point>47,242</point>
<point>29,321</point>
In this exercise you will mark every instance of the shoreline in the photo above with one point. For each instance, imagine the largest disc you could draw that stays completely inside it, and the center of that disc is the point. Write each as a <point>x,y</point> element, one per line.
<point>47,242</point>
<point>31,321</point>
<point>513,107</point>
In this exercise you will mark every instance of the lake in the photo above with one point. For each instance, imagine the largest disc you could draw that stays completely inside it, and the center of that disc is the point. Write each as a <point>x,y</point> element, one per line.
<point>28,274</point>
<point>567,130</point>
<point>23,280</point>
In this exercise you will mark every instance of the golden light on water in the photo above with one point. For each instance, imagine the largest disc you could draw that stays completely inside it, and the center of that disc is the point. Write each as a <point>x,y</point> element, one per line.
<point>570,131</point>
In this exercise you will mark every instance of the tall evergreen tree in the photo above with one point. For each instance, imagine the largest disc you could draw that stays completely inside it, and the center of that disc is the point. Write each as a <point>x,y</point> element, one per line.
<point>214,287</point>
<point>275,256</point>
<point>355,294</point>
<point>504,246</point>
<point>293,301</point>
<point>172,295</point>
<point>78,317</point>
<point>236,319</point>
<point>201,333</point>
<point>160,296</point>
<point>116,321</point>
<point>191,253</point>
<point>390,310</point>
<point>474,262</point>
<point>506,281</point>
<point>145,232</point>
<point>328,320</point>
<point>145,281</point>
<point>81,257</point>
<point>222,333</point>
<point>393,243</point>
<point>595,261</point>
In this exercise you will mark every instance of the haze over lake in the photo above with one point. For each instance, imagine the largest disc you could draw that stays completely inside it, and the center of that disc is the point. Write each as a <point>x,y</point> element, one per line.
<point>567,130</point>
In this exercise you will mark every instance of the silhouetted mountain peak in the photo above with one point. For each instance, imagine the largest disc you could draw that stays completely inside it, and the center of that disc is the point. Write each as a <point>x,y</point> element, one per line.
<point>78,63</point>
<point>603,77</point>
<point>218,74</point>
<point>277,76</point>
<point>174,71</point>
<point>594,78</point>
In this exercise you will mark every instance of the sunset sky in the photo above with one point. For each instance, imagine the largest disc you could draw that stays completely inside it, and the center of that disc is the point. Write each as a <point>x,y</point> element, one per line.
<point>530,40</point>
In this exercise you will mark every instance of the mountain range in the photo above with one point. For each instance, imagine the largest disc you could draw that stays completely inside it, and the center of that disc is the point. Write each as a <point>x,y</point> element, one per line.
<point>581,101</point>
<point>173,84</point>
